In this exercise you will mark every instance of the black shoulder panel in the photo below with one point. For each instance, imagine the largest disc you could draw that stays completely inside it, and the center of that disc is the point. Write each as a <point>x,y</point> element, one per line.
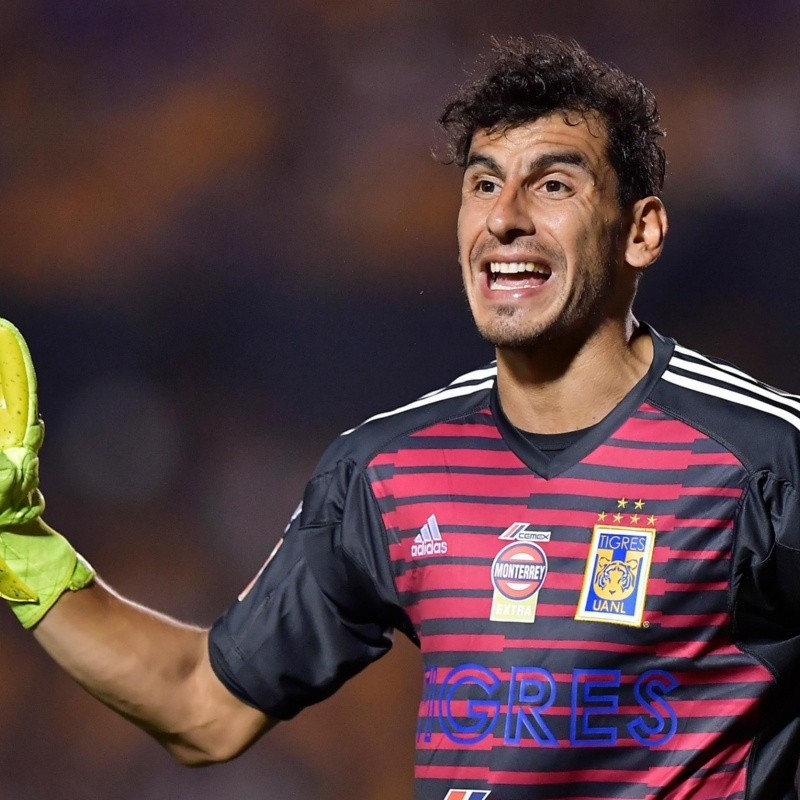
<point>467,393</point>
<point>760,425</point>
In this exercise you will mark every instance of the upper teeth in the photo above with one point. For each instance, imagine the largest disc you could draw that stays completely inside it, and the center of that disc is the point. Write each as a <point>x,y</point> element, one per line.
<point>516,266</point>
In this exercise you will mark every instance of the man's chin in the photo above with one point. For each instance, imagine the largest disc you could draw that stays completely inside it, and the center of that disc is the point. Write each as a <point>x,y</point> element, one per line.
<point>504,335</point>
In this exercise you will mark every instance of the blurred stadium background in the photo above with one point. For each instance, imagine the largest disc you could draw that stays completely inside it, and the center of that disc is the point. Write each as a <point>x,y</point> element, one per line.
<point>225,237</point>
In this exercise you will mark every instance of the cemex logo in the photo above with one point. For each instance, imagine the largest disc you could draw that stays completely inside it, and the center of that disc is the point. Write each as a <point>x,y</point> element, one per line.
<point>467,794</point>
<point>428,541</point>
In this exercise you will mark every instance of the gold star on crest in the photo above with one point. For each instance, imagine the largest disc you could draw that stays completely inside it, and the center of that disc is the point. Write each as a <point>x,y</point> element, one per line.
<point>617,517</point>
<point>634,519</point>
<point>639,505</point>
<point>601,517</point>
<point>622,503</point>
<point>651,520</point>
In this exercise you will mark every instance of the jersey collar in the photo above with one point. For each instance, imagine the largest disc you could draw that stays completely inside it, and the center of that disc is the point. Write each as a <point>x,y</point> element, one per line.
<point>547,467</point>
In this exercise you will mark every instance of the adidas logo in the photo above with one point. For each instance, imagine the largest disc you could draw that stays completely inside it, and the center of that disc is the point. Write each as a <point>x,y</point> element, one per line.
<point>428,541</point>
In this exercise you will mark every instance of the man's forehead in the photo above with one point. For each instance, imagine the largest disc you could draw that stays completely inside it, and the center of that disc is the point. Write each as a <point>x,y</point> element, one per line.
<point>585,133</point>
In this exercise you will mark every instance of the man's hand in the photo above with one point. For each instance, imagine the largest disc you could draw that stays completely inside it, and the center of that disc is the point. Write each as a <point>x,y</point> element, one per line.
<point>21,433</point>
<point>36,564</point>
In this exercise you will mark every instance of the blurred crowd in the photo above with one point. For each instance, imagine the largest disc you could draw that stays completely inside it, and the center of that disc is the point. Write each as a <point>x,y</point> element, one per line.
<point>227,237</point>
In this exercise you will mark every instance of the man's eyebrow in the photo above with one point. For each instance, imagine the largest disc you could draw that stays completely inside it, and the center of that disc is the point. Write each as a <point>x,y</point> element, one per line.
<point>539,164</point>
<point>566,157</point>
<point>478,160</point>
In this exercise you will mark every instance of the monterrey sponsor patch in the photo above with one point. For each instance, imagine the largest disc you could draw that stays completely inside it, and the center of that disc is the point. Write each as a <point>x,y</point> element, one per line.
<point>518,573</point>
<point>467,794</point>
<point>615,582</point>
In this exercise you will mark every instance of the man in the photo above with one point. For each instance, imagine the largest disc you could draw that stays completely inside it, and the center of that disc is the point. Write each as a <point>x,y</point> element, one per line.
<point>595,542</point>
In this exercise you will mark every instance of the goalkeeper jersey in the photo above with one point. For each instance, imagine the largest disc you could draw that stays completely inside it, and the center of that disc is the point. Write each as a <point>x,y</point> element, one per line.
<point>618,620</point>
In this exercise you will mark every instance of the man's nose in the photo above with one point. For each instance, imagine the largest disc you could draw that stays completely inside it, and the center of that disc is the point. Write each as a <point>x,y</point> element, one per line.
<point>510,216</point>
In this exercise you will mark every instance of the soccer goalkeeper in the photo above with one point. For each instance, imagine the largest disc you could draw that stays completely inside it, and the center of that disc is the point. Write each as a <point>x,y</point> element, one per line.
<point>595,541</point>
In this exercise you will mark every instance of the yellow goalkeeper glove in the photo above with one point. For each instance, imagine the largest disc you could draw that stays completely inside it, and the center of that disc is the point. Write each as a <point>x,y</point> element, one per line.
<point>37,565</point>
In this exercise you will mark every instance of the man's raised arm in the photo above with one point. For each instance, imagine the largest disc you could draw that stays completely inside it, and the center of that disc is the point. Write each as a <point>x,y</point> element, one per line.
<point>153,670</point>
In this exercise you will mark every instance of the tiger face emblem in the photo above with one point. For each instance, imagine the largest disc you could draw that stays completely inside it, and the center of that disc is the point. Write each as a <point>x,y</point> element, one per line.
<point>615,580</point>
<point>617,571</point>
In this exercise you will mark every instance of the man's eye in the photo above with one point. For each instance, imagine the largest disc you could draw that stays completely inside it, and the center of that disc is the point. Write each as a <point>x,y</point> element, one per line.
<point>486,186</point>
<point>552,186</point>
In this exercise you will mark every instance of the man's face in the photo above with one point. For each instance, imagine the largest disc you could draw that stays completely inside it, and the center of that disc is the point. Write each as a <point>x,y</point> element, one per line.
<point>539,231</point>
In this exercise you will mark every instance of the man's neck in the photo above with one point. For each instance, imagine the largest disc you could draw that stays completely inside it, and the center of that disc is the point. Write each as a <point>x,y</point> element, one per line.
<point>569,384</point>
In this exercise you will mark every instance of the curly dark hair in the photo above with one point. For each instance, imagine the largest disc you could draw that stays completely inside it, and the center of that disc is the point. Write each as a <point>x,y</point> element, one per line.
<point>529,79</point>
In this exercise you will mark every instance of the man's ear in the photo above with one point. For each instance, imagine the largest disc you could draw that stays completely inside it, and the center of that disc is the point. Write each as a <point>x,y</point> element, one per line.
<point>648,227</point>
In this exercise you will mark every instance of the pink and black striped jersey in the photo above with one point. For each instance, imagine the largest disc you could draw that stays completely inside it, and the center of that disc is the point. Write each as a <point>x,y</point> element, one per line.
<point>621,620</point>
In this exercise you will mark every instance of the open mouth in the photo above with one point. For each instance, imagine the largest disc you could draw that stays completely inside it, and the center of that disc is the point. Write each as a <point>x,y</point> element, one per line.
<point>510,275</point>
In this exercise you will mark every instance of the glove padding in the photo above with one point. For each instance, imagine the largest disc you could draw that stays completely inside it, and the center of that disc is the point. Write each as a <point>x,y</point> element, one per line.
<point>37,565</point>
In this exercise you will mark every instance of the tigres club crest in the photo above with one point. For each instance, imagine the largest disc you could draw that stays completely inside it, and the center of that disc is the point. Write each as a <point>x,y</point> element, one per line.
<point>615,581</point>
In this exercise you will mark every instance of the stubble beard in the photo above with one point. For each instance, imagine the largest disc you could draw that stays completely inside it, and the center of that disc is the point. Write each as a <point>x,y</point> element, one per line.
<point>507,329</point>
